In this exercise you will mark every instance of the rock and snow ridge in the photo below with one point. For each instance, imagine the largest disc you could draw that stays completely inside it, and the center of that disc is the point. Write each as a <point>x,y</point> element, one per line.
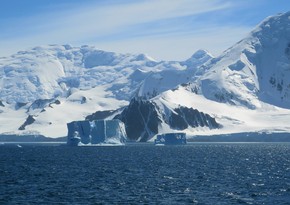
<point>250,81</point>
<point>146,118</point>
<point>245,88</point>
<point>255,70</point>
<point>47,72</point>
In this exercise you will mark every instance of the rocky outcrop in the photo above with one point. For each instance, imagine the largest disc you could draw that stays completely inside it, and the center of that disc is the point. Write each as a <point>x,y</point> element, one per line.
<point>141,120</point>
<point>188,117</point>
<point>144,118</point>
<point>100,115</point>
<point>29,120</point>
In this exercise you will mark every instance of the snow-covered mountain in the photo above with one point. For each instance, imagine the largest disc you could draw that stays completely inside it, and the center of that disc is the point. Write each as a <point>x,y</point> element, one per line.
<point>247,88</point>
<point>230,118</point>
<point>50,71</point>
<point>255,70</point>
<point>44,88</point>
<point>175,73</point>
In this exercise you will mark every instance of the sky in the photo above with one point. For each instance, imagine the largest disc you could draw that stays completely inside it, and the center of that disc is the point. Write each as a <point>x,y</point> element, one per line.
<point>162,29</point>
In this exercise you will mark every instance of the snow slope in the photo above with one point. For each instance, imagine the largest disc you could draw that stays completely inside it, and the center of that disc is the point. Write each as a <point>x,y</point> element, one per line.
<point>49,71</point>
<point>246,89</point>
<point>234,119</point>
<point>255,69</point>
<point>175,73</point>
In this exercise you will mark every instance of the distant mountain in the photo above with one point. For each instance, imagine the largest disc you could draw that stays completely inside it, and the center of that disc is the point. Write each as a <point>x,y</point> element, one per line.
<point>50,71</point>
<point>199,58</point>
<point>175,73</point>
<point>255,70</point>
<point>81,80</point>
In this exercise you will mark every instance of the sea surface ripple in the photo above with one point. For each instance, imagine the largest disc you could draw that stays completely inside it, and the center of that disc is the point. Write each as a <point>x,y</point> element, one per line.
<point>199,173</point>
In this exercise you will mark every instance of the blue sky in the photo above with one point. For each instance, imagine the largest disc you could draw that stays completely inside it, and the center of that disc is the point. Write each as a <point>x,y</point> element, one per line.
<point>163,29</point>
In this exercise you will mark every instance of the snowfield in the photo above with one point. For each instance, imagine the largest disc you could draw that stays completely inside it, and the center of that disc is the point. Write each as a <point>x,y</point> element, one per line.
<point>234,119</point>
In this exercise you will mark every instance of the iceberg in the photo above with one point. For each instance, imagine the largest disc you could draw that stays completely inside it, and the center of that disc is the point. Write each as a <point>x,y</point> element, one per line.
<point>171,139</point>
<point>96,132</point>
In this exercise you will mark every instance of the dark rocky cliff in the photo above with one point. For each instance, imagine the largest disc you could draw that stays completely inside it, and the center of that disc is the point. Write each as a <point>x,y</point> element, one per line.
<point>143,118</point>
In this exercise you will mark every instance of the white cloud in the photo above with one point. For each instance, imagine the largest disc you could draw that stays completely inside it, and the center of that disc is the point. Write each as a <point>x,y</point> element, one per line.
<point>82,25</point>
<point>181,47</point>
<point>108,19</point>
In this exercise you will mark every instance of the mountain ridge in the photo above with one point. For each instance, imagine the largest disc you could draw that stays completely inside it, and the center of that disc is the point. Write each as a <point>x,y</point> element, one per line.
<point>253,70</point>
<point>82,80</point>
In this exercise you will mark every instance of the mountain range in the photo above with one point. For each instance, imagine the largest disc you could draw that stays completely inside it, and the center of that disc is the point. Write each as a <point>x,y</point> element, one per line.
<point>246,88</point>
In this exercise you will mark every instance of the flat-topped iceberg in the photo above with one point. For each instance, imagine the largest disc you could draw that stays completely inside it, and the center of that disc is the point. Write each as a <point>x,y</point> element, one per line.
<point>98,132</point>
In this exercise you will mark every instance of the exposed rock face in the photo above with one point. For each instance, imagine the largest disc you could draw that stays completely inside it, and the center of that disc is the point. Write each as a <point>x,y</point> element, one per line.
<point>189,117</point>
<point>99,115</point>
<point>143,118</point>
<point>29,120</point>
<point>19,105</point>
<point>40,104</point>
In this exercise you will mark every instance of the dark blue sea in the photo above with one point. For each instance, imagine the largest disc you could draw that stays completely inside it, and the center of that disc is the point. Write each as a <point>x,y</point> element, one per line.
<point>199,173</point>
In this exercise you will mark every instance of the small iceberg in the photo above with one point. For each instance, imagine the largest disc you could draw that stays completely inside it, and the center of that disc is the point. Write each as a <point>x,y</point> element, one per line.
<point>170,139</point>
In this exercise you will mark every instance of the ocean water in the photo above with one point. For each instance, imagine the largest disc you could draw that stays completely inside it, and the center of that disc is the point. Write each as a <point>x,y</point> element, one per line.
<point>199,173</point>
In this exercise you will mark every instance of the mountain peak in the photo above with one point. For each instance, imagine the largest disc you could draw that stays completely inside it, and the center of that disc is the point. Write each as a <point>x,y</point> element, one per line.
<point>197,59</point>
<point>255,69</point>
<point>201,54</point>
<point>272,28</point>
<point>144,57</point>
